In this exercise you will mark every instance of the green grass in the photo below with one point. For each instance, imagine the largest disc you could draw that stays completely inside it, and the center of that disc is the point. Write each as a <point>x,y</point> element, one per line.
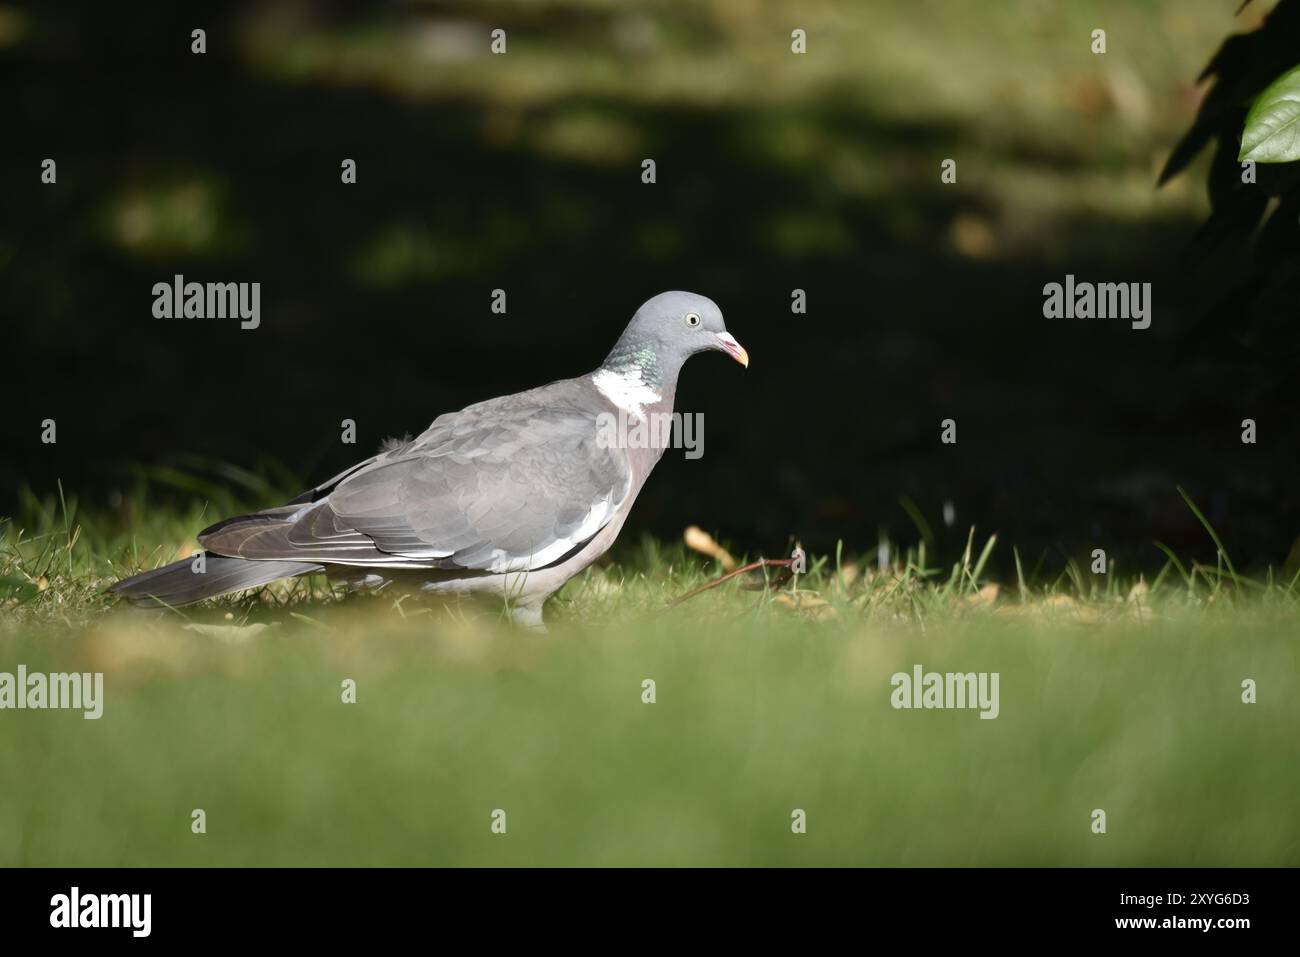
<point>1116,695</point>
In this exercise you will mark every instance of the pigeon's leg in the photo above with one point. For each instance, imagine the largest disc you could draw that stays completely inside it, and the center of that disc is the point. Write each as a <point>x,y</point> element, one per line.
<point>529,617</point>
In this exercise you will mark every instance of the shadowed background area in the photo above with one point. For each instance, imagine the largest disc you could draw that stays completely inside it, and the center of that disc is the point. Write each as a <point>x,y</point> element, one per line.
<point>522,172</point>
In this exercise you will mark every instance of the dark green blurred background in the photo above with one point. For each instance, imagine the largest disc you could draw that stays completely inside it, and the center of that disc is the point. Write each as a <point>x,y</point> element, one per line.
<point>522,171</point>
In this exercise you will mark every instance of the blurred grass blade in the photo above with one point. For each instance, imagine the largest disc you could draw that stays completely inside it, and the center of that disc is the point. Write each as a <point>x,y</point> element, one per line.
<point>1210,529</point>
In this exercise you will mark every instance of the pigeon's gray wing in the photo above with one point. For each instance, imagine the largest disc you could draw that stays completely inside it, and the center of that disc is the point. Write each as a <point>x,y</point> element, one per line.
<point>502,486</point>
<point>491,491</point>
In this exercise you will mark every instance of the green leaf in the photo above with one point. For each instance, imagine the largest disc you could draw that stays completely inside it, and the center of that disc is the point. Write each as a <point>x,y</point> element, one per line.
<point>1272,133</point>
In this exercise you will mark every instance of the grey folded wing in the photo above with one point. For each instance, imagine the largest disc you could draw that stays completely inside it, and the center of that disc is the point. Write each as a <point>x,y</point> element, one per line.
<point>503,486</point>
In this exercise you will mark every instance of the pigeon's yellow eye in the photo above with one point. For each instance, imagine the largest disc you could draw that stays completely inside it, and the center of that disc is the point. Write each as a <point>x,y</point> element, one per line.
<point>692,319</point>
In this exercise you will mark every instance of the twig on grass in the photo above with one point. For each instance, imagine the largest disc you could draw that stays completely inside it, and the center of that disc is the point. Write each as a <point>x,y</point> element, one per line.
<point>796,563</point>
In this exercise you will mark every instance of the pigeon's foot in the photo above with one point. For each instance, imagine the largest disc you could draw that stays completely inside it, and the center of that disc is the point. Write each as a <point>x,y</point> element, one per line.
<point>528,617</point>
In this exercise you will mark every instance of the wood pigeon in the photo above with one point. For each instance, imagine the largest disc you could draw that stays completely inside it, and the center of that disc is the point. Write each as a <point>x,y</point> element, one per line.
<point>512,496</point>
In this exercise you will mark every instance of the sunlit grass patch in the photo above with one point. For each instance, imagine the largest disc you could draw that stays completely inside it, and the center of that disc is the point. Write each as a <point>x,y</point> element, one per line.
<point>1125,696</point>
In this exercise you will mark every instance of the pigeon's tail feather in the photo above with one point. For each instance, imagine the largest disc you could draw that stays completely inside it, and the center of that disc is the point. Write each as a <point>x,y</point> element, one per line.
<point>187,581</point>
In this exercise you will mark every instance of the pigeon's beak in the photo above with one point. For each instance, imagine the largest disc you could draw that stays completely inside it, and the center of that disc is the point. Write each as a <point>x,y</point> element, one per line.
<point>731,347</point>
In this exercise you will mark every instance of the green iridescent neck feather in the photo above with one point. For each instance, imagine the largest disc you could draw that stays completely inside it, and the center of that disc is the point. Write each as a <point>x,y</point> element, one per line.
<point>636,358</point>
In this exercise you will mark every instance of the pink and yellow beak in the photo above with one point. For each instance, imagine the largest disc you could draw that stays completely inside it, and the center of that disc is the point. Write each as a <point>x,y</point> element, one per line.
<point>733,348</point>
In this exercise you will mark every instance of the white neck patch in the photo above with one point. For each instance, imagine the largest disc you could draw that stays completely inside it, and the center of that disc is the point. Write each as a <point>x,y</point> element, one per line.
<point>627,390</point>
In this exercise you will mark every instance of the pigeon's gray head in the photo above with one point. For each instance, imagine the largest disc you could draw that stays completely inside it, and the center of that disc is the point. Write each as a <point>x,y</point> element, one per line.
<point>670,328</point>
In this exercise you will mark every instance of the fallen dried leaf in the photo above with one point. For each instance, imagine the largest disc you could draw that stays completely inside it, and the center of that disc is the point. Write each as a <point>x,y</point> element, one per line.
<point>985,597</point>
<point>809,602</point>
<point>230,632</point>
<point>697,539</point>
